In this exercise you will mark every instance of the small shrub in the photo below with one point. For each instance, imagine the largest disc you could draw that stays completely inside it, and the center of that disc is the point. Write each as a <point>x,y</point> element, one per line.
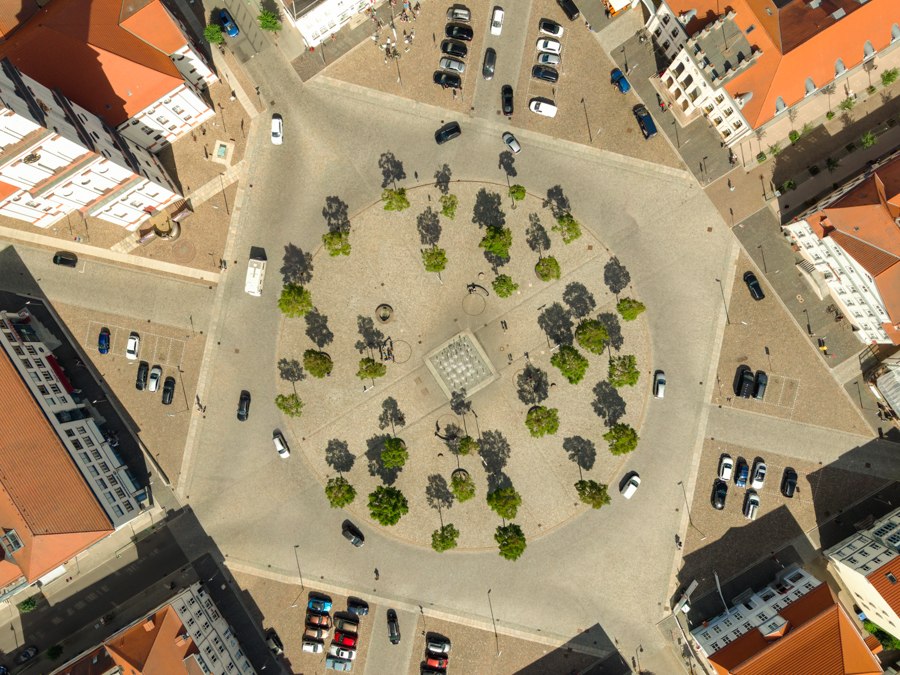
<point>847,104</point>
<point>868,139</point>
<point>547,269</point>
<point>448,206</point>
<point>871,89</point>
<point>629,308</point>
<point>761,157</point>
<point>888,77</point>
<point>788,185</point>
<point>504,286</point>
<point>774,149</point>
<point>829,115</point>
<point>794,136</point>
<point>806,129</point>
<point>517,192</point>
<point>28,605</point>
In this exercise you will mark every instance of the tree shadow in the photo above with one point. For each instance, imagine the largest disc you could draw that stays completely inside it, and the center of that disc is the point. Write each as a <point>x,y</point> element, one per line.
<point>459,404</point>
<point>508,164</point>
<point>290,370</point>
<point>272,6</point>
<point>610,321</point>
<point>317,329</point>
<point>442,179</point>
<point>391,169</point>
<point>429,225</point>
<point>532,385</point>
<point>487,211</point>
<point>451,435</point>
<point>338,455</point>
<point>391,415</point>
<point>581,451</point>
<point>374,446</point>
<point>336,214</point>
<point>495,261</point>
<point>297,266</point>
<point>536,235</point>
<point>437,493</point>
<point>372,338</point>
<point>557,201</point>
<point>557,324</point>
<point>616,276</point>
<point>579,299</point>
<point>498,480</point>
<point>608,404</point>
<point>494,450</point>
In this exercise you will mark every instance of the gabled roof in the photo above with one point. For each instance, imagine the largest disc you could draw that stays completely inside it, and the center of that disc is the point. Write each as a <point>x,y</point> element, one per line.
<point>158,645</point>
<point>820,640</point>
<point>797,41</point>
<point>112,70</point>
<point>881,582</point>
<point>14,14</point>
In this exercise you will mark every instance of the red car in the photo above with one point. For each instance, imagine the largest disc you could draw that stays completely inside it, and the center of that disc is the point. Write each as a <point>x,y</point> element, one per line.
<point>439,662</point>
<point>344,639</point>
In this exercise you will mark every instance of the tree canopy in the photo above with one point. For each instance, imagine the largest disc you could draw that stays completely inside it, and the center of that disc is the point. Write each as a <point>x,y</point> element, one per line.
<point>629,308</point>
<point>462,486</point>
<point>592,493</point>
<point>571,363</point>
<point>387,505</point>
<point>434,259</point>
<point>370,369</point>
<point>622,439</point>
<point>505,502</point>
<point>317,364</point>
<point>547,269</point>
<point>444,539</point>
<point>504,286</point>
<point>295,301</point>
<point>623,371</point>
<point>289,404</point>
<point>511,541</point>
<point>339,492</point>
<point>542,421</point>
<point>394,453</point>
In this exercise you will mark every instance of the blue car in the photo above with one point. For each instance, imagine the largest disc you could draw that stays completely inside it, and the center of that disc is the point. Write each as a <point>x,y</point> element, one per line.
<point>319,605</point>
<point>743,473</point>
<point>228,23</point>
<point>617,77</point>
<point>103,341</point>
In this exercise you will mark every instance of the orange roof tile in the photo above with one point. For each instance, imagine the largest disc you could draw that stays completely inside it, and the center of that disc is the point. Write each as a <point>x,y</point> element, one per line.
<point>42,494</point>
<point>14,14</point>
<point>153,649</point>
<point>110,71</point>
<point>150,21</point>
<point>887,589</point>
<point>797,42</point>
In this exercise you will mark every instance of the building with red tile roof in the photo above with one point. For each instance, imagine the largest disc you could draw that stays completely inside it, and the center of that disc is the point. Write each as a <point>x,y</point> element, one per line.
<point>851,246</point>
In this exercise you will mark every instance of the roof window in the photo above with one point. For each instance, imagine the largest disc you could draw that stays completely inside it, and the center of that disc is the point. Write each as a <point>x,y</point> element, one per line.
<point>779,105</point>
<point>868,51</point>
<point>10,542</point>
<point>890,577</point>
<point>895,32</point>
<point>839,68</point>
<point>810,86</point>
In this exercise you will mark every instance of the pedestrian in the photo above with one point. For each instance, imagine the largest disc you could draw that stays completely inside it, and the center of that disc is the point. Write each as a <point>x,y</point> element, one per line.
<point>376,574</point>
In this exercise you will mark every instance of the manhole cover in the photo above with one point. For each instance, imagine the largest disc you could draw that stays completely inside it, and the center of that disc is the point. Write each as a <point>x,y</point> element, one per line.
<point>183,251</point>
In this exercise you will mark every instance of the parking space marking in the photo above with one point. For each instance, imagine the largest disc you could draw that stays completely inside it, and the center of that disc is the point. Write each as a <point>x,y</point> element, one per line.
<point>165,351</point>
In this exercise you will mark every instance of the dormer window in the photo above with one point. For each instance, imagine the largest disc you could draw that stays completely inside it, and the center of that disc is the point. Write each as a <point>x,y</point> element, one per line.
<point>890,577</point>
<point>810,86</point>
<point>10,542</point>
<point>895,32</point>
<point>839,68</point>
<point>779,105</point>
<point>868,51</point>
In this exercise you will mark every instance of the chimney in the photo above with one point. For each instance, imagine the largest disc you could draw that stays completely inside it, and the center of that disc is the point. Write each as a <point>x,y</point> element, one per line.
<point>181,639</point>
<point>149,624</point>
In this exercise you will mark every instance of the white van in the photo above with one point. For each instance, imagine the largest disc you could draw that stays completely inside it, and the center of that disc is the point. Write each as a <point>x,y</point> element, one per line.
<point>256,274</point>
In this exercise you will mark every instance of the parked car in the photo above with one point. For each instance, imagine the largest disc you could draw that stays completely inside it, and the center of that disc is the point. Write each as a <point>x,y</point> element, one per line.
<point>439,663</point>
<point>631,486</point>
<point>545,59</point>
<point>789,482</point>
<point>545,73</point>
<point>447,80</point>
<point>719,494</point>
<point>155,377</point>
<point>759,475</point>
<point>497,21</point>
<point>65,259</point>
<point>742,474</point>
<point>274,642</point>
<point>659,384</point>
<point>281,446</point>
<point>549,45</point>
<point>617,78</point>
<point>317,619</point>
<point>751,505</point>
<point>447,133</point>
<point>459,13</point>
<point>453,65</point>
<point>645,121</point>
<point>393,627</point>
<point>345,625</point>
<point>312,646</point>
<point>345,639</point>
<point>25,655</point>
<point>511,143</point>
<point>506,100</point>
<point>743,382</point>
<point>569,8</point>
<point>342,652</point>
<point>168,390</point>
<point>756,291</point>
<point>103,341</point>
<point>133,346</point>
<point>490,62</point>
<point>551,28</point>
<point>458,31</point>
<point>228,24</point>
<point>334,663</point>
<point>318,604</point>
<point>315,633</point>
<point>759,387</point>
<point>277,129</point>
<point>453,48</point>
<point>243,412</point>
<point>542,107</point>
<point>726,467</point>
<point>141,380</point>
<point>357,607</point>
<point>437,645</point>
<point>352,534</point>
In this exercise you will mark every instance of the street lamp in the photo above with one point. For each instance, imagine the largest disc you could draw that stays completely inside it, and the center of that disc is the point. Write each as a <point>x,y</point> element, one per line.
<point>688,506</point>
<point>299,574</point>
<point>763,254</point>
<point>724,301</point>
<point>808,326</point>
<point>494,622</point>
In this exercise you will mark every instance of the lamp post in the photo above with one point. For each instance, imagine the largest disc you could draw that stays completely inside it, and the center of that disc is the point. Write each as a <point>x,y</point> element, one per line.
<point>688,507</point>
<point>494,622</point>
<point>724,301</point>
<point>762,252</point>
<point>299,573</point>
<point>809,329</point>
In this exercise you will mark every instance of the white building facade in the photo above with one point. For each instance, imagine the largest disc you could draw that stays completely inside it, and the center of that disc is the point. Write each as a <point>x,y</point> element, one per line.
<point>317,21</point>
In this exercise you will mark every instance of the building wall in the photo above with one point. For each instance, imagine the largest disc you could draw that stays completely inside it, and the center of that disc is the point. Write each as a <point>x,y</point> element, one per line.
<point>167,120</point>
<point>326,18</point>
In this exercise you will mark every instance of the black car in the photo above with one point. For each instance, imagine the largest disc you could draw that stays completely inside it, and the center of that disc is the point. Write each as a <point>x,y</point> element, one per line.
<point>506,100</point>
<point>452,48</point>
<point>756,291</point>
<point>447,133</point>
<point>65,259</point>
<point>545,73</point>
<point>26,655</point>
<point>743,382</point>
<point>357,606</point>
<point>168,390</point>
<point>720,492</point>
<point>759,387</point>
<point>274,642</point>
<point>243,411</point>
<point>490,62</point>
<point>393,627</point>
<point>789,483</point>
<point>447,80</point>
<point>141,380</point>
<point>569,8</point>
<point>457,31</point>
<point>352,534</point>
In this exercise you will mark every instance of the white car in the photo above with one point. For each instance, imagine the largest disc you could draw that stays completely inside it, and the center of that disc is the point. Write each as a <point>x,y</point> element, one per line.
<point>549,45</point>
<point>281,446</point>
<point>342,652</point>
<point>546,59</point>
<point>542,107</point>
<point>726,468</point>
<point>511,142</point>
<point>550,28</point>
<point>455,65</point>
<point>155,377</point>
<point>133,347</point>
<point>497,21</point>
<point>659,384</point>
<point>631,486</point>
<point>751,505</point>
<point>313,646</point>
<point>758,478</point>
<point>277,130</point>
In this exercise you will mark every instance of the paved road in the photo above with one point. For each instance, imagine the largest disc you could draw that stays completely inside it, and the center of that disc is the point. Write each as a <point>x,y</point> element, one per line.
<point>509,48</point>
<point>383,657</point>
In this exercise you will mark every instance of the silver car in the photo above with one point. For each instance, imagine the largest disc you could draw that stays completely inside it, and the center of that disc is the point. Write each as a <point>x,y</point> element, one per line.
<point>511,142</point>
<point>451,64</point>
<point>155,377</point>
<point>546,59</point>
<point>459,13</point>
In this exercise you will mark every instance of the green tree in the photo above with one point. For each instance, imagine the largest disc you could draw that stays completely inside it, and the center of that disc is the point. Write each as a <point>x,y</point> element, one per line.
<point>337,243</point>
<point>339,492</point>
<point>868,139</point>
<point>54,652</point>
<point>592,336</point>
<point>444,538</point>
<point>542,421</point>
<point>289,404</point>
<point>847,104</point>
<point>511,541</point>
<point>213,34</point>
<point>623,371</point>
<point>888,641</point>
<point>505,502</point>
<point>295,301</point>
<point>387,505</point>
<point>370,369</point>
<point>448,206</point>
<point>774,149</point>
<point>467,445</point>
<point>571,363</point>
<point>547,268</point>
<point>568,228</point>
<point>268,20</point>
<point>517,192</point>
<point>629,308</point>
<point>622,439</point>
<point>504,286</point>
<point>434,259</point>
<point>831,164</point>
<point>394,454</point>
<point>317,364</point>
<point>888,77</point>
<point>462,486</point>
<point>395,200</point>
<point>497,240</point>
<point>592,493</point>
<point>28,605</point>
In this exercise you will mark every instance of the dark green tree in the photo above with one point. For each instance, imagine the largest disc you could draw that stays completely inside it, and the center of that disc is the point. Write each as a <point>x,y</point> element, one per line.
<point>317,364</point>
<point>370,369</point>
<point>571,363</point>
<point>511,541</point>
<point>623,371</point>
<point>542,421</point>
<point>387,505</point>
<point>592,493</point>
<point>504,286</point>
<point>434,259</point>
<point>622,439</point>
<point>289,404</point>
<point>505,502</point>
<point>339,492</point>
<point>593,336</point>
<point>444,539</point>
<point>547,269</point>
<point>295,301</point>
<point>394,454</point>
<point>497,240</point>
